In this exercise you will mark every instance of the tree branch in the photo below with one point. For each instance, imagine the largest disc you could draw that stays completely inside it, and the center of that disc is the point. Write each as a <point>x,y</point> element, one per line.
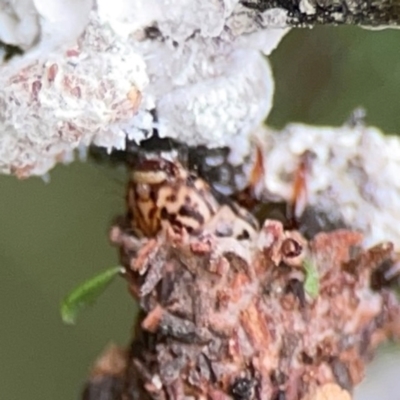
<point>302,13</point>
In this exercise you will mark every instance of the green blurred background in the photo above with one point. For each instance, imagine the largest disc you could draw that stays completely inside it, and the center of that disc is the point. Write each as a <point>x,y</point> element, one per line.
<point>53,236</point>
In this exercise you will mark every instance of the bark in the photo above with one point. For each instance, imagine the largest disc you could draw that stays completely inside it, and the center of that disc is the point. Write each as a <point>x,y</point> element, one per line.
<point>225,319</point>
<point>331,12</point>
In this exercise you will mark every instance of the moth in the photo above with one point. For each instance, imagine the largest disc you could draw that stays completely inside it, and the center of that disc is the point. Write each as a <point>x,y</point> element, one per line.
<point>172,185</point>
<point>163,195</point>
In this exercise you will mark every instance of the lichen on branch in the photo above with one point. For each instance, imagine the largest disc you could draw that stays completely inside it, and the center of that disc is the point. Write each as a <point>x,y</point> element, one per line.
<point>125,69</point>
<point>376,13</point>
<point>98,72</point>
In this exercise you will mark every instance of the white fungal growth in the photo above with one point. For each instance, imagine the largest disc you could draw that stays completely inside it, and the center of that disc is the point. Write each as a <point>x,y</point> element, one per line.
<point>353,175</point>
<point>93,72</point>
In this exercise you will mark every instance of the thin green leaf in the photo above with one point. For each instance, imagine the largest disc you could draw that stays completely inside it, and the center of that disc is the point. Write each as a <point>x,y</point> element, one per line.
<point>311,283</point>
<point>86,294</point>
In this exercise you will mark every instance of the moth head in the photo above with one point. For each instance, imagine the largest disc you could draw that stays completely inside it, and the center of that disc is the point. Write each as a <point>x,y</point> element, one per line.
<point>156,171</point>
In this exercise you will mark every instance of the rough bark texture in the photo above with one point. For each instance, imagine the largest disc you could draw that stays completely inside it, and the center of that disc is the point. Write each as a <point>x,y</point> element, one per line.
<point>226,319</point>
<point>326,12</point>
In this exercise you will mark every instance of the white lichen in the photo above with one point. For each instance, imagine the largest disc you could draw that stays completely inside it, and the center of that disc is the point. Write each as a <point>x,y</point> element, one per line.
<point>204,76</point>
<point>307,7</point>
<point>19,23</point>
<point>353,174</point>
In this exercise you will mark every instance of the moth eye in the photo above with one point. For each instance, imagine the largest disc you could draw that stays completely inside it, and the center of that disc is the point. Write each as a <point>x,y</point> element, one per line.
<point>143,191</point>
